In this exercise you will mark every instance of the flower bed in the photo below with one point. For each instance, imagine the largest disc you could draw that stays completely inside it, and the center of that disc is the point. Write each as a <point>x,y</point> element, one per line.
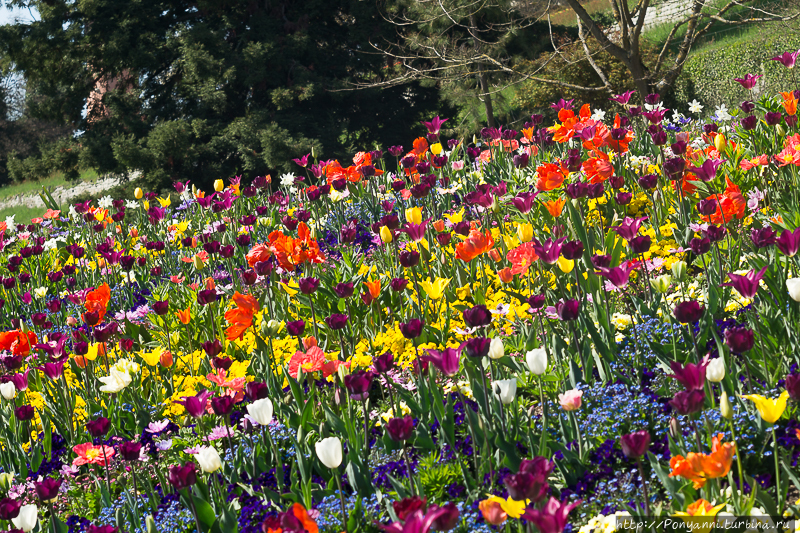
<point>546,329</point>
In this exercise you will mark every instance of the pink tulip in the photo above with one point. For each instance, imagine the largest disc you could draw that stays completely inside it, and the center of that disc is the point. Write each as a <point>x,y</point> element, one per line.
<point>571,400</point>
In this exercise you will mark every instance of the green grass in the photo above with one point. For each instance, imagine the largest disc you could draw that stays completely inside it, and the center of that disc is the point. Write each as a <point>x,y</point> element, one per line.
<point>23,213</point>
<point>33,187</point>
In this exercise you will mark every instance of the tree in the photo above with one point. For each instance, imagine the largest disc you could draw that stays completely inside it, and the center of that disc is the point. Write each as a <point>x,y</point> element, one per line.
<point>208,89</point>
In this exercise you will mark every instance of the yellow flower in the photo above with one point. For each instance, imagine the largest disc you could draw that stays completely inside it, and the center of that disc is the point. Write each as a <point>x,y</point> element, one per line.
<point>699,515</point>
<point>436,148</point>
<point>566,265</point>
<point>512,508</point>
<point>138,193</point>
<point>414,215</point>
<point>455,218</point>
<point>218,185</point>
<point>165,202</point>
<point>435,290</point>
<point>525,232</point>
<point>291,288</point>
<point>770,410</point>
<point>386,234</point>
<point>145,205</point>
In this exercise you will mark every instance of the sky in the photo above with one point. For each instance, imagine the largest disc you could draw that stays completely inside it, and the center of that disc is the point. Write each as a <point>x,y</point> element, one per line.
<point>8,16</point>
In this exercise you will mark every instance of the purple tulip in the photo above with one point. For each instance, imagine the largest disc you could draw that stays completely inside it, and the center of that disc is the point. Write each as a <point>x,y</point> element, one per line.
<point>207,296</point>
<point>688,402</point>
<point>739,339</point>
<point>748,107</point>
<point>623,98</point>
<point>256,390</point>
<point>52,370</point>
<point>476,348</point>
<point>552,518</point>
<point>700,246</point>
<point>182,477</point>
<point>9,508</point>
<point>130,451</point>
<point>160,308</point>
<point>434,125</point>
<point>577,190</point>
<point>629,228</point>
<point>749,122</point>
<point>640,244</point>
<point>343,290</point>
<point>47,489</point>
<point>98,427</point>
<point>409,259</point>
<point>296,327</point>
<point>336,321</point>
<point>550,251</point>
<point>746,285</point>
<point>707,207</point>
<point>787,59</point>
<point>763,237</point>
<point>601,261</point>
<point>773,118</point>
<point>477,316</point>
<point>308,285</point>
<point>691,376</point>
<point>195,405</point>
<point>445,517</point>
<point>249,277</point>
<point>222,405</point>
<point>212,348</point>
<point>789,242</point>
<point>446,361</point>
<point>634,445</point>
<point>400,284</point>
<point>674,167</point>
<point>715,233</point>
<point>688,312</point>
<point>748,82</point>
<point>568,310</point>
<point>572,250</point>
<point>792,384</point>
<point>412,329</point>
<point>708,170</point>
<point>20,381</point>
<point>24,412</point>
<point>400,429</point>
<point>358,384</point>
<point>618,276</point>
<point>536,301</point>
<point>524,201</point>
<point>384,362</point>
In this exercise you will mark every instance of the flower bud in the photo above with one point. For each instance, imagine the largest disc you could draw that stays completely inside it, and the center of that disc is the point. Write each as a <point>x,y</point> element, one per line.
<point>679,271</point>
<point>386,234</point>
<point>719,142</point>
<point>138,194</point>
<point>661,283</point>
<point>725,408</point>
<point>219,185</point>
<point>525,232</point>
<point>715,371</point>
<point>496,350</point>
<point>197,262</point>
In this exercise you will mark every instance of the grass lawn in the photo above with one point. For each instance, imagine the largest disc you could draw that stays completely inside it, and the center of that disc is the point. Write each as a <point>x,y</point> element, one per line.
<point>23,213</point>
<point>33,187</point>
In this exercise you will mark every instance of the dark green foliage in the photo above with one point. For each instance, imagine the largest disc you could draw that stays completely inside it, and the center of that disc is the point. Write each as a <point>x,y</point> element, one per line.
<point>208,89</point>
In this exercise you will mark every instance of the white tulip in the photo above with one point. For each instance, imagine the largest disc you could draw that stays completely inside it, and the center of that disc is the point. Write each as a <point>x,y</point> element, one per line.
<point>793,285</point>
<point>329,452</point>
<point>26,520</point>
<point>261,411</point>
<point>208,459</point>
<point>537,361</point>
<point>505,389</point>
<point>116,381</point>
<point>496,350</point>
<point>8,391</point>
<point>715,371</point>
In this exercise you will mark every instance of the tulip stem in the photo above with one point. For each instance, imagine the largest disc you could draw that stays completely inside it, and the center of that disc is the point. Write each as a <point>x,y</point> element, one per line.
<point>341,501</point>
<point>778,491</point>
<point>408,470</point>
<point>738,459</point>
<point>366,433</point>
<point>644,487</point>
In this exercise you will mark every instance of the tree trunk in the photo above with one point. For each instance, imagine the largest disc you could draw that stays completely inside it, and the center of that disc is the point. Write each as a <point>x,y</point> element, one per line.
<point>482,79</point>
<point>487,98</point>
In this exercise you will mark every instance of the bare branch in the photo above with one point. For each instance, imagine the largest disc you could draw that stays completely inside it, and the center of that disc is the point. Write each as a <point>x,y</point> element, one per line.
<point>589,57</point>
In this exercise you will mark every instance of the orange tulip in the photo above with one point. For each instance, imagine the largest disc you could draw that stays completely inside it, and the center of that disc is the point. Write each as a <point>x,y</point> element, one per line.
<point>474,245</point>
<point>184,316</point>
<point>555,207</point>
<point>259,252</point>
<point>789,103</point>
<point>700,467</point>
<point>598,168</point>
<point>522,257</point>
<point>240,317</point>
<point>492,512</point>
<point>505,275</point>
<point>374,288</point>
<point>439,225</point>
<point>551,176</point>
<point>17,342</point>
<point>165,359</point>
<point>97,301</point>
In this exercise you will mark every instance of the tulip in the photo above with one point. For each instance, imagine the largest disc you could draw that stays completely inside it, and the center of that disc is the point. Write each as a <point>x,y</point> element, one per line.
<point>746,285</point>
<point>550,251</point>
<point>222,405</point>
<point>789,242</point>
<point>634,445</point>
<point>552,518</point>
<point>525,232</point>
<point>27,518</point>
<point>739,339</point>
<point>505,390</point>
<point>358,384</point>
<point>662,283</point>
<point>715,371</point>
<point>477,347</point>
<point>208,459</point>
<point>219,185</point>
<point>568,310</point>
<point>725,408</point>
<point>537,361</point>
<point>400,429</point>
<point>261,411</point>
<point>195,405</point>
<point>688,402</point>
<point>436,289</point>
<point>412,329</point>
<point>793,286</point>
<point>496,350</point>
<point>24,413</point>
<point>182,477</point>
<point>8,390</point>
<point>447,361</point>
<point>770,410</point>
<point>256,390</point>
<point>9,508</point>
<point>492,512</point>
<point>679,271</point>
<point>414,215</point>
<point>688,312</point>
<point>386,234</point>
<point>792,385</point>
<point>336,321</point>
<point>130,451</point>
<point>137,193</point>
<point>691,375</point>
<point>571,400</point>
<point>329,452</point>
<point>47,490</point>
<point>409,259</point>
<point>98,427</point>
<point>477,316</point>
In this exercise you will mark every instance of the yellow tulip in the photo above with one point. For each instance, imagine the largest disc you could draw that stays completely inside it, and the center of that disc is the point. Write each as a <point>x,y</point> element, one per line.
<point>219,185</point>
<point>414,215</point>
<point>435,290</point>
<point>770,410</point>
<point>699,515</point>
<point>525,232</point>
<point>386,234</point>
<point>436,148</point>
<point>146,205</point>
<point>719,142</point>
<point>512,508</point>
<point>455,218</point>
<point>165,202</point>
<point>291,288</point>
<point>138,193</point>
<point>566,265</point>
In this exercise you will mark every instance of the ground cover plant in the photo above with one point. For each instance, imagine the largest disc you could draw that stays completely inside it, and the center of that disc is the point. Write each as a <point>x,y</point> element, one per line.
<point>526,331</point>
